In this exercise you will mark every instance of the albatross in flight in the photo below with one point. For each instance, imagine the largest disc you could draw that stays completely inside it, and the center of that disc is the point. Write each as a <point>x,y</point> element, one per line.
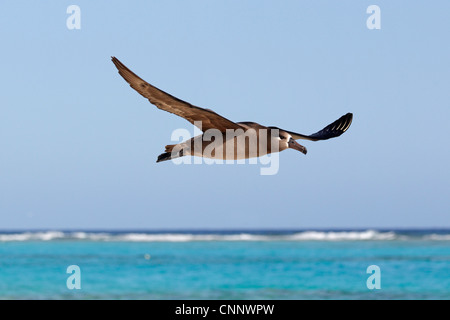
<point>222,138</point>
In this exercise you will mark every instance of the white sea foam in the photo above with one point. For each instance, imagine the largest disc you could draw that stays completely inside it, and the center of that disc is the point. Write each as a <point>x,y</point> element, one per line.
<point>301,236</point>
<point>144,237</point>
<point>97,236</point>
<point>181,237</point>
<point>344,235</point>
<point>366,235</point>
<point>438,237</point>
<point>32,236</point>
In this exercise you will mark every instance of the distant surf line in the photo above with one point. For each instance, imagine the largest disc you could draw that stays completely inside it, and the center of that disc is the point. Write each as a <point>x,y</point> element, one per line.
<point>228,236</point>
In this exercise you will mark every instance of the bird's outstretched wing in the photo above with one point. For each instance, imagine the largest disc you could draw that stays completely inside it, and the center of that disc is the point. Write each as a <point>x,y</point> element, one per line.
<point>164,101</point>
<point>331,131</point>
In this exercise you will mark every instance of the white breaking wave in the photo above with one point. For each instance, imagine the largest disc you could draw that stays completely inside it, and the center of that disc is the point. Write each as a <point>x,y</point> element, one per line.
<point>344,235</point>
<point>32,236</point>
<point>187,237</point>
<point>438,237</point>
<point>180,237</point>
<point>367,235</point>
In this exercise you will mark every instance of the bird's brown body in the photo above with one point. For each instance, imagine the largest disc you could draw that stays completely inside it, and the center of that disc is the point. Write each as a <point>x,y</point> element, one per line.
<point>222,138</point>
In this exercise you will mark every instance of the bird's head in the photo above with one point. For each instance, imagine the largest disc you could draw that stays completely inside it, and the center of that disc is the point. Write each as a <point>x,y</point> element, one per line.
<point>286,141</point>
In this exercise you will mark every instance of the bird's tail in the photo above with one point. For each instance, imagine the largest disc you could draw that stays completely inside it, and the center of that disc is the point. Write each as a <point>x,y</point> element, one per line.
<point>170,147</point>
<point>169,155</point>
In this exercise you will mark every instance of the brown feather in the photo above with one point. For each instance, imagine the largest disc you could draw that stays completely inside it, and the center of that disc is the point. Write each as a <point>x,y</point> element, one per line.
<point>164,101</point>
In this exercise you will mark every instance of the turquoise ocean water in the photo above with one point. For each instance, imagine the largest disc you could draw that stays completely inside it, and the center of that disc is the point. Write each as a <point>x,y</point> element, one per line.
<point>413,264</point>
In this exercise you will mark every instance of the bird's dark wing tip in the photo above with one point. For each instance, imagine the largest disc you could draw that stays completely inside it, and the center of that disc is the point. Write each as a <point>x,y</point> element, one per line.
<point>335,129</point>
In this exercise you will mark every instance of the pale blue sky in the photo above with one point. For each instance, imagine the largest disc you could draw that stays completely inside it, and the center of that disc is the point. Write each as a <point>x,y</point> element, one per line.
<point>78,146</point>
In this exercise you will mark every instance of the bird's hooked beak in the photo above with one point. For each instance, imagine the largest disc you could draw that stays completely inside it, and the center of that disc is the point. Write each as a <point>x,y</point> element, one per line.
<point>294,145</point>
